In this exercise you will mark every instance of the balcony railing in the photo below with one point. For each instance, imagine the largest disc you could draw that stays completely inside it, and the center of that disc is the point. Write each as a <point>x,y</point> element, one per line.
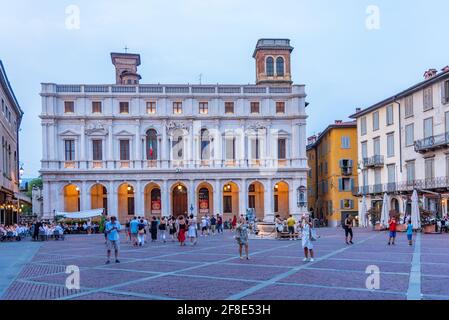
<point>374,162</point>
<point>432,143</point>
<point>403,187</point>
<point>346,171</point>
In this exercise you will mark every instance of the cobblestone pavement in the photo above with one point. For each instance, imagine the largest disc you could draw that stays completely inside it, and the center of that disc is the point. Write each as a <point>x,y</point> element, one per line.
<point>212,270</point>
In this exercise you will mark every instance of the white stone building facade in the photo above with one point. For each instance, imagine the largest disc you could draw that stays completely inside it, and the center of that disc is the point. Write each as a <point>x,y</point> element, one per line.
<point>404,146</point>
<point>160,150</point>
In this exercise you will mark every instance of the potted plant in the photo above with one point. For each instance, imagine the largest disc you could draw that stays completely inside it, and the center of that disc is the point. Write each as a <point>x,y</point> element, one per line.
<point>374,216</point>
<point>428,223</point>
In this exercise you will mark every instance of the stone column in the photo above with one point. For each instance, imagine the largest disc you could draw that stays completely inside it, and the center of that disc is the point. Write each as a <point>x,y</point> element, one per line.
<point>139,198</point>
<point>137,156</point>
<point>268,201</point>
<point>165,199</point>
<point>113,201</point>
<point>243,197</point>
<point>48,212</point>
<point>218,197</point>
<point>45,142</point>
<point>110,157</point>
<point>85,197</point>
<point>192,198</point>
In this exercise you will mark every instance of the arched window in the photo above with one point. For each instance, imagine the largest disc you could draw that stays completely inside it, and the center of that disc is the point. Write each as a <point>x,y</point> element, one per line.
<point>280,67</point>
<point>205,144</point>
<point>270,67</point>
<point>151,145</point>
<point>177,145</point>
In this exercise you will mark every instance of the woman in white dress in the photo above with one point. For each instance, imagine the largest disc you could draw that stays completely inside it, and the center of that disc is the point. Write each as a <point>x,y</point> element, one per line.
<point>306,227</point>
<point>192,232</point>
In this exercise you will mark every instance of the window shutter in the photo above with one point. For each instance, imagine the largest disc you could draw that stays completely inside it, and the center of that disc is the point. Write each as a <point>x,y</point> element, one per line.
<point>351,203</point>
<point>341,163</point>
<point>340,184</point>
<point>350,163</point>
<point>352,184</point>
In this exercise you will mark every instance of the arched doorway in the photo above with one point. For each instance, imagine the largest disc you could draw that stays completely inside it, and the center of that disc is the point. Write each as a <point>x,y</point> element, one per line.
<point>230,200</point>
<point>72,198</point>
<point>205,199</point>
<point>153,200</point>
<point>99,197</point>
<point>179,200</point>
<point>395,205</point>
<point>126,205</point>
<point>256,199</point>
<point>281,199</point>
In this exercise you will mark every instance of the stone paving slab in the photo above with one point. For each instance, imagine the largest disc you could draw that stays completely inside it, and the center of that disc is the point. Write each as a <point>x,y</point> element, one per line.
<point>212,269</point>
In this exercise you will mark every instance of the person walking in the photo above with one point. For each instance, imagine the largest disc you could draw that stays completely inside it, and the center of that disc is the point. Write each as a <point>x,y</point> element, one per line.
<point>306,227</point>
<point>393,228</point>
<point>163,229</point>
<point>241,235</point>
<point>172,228</point>
<point>182,231</point>
<point>219,223</point>
<point>213,225</point>
<point>347,225</point>
<point>291,222</point>
<point>141,233</point>
<point>127,231</point>
<point>203,226</point>
<point>153,229</point>
<point>410,232</point>
<point>112,230</point>
<point>234,223</point>
<point>134,229</point>
<point>279,225</point>
<point>192,231</point>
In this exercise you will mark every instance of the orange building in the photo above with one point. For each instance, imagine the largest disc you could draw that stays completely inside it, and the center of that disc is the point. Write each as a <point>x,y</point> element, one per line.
<point>332,159</point>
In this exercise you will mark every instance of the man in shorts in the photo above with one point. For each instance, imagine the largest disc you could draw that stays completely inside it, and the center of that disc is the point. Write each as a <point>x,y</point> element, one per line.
<point>113,238</point>
<point>134,229</point>
<point>291,222</point>
<point>392,224</point>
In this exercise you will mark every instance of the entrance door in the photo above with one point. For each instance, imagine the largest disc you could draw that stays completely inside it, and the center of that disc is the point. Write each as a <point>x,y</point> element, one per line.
<point>180,201</point>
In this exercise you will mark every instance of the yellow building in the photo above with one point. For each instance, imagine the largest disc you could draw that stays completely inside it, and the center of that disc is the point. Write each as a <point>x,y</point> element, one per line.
<point>332,159</point>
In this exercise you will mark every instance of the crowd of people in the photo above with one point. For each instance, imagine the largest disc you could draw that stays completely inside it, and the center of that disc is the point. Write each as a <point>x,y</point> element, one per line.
<point>15,232</point>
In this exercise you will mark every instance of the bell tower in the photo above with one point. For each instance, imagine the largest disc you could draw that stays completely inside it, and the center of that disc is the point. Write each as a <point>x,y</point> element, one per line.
<point>126,68</point>
<point>273,64</point>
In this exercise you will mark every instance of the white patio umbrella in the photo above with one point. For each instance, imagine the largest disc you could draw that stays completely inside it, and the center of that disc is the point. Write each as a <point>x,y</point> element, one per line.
<point>385,215</point>
<point>416,219</point>
<point>363,212</point>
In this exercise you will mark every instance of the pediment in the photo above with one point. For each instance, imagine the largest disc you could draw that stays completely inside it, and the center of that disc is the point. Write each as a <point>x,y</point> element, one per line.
<point>69,133</point>
<point>124,133</point>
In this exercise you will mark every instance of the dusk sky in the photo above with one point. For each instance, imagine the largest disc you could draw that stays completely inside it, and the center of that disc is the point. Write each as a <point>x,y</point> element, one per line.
<point>343,62</point>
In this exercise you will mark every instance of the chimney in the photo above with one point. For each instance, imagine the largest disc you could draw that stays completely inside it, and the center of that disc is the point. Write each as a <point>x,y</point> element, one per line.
<point>357,110</point>
<point>445,69</point>
<point>311,140</point>
<point>338,121</point>
<point>430,73</point>
<point>126,68</point>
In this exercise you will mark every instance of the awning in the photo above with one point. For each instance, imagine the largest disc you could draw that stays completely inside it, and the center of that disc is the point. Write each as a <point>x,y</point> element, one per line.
<point>81,215</point>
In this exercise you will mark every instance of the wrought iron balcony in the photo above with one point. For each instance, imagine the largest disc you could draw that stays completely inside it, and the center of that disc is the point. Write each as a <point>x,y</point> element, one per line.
<point>440,183</point>
<point>432,143</point>
<point>374,162</point>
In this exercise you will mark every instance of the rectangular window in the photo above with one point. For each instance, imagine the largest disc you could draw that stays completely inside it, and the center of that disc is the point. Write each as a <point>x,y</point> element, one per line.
<point>377,177</point>
<point>391,173</point>
<point>409,135</point>
<point>390,145</point>
<point>255,107</point>
<point>229,107</point>
<point>430,168</point>
<point>96,107</point>
<point>282,150</point>
<point>363,126</point>
<point>364,150</point>
<point>124,107</point>
<point>447,165</point>
<point>227,204</point>
<point>345,143</point>
<point>230,148</point>
<point>446,92</point>
<point>409,106</point>
<point>124,150</point>
<point>345,184</point>
<point>376,121</point>
<point>390,115</point>
<point>280,107</point>
<point>428,128</point>
<point>204,107</point>
<point>428,98</point>
<point>177,107</point>
<point>151,107</point>
<point>447,121</point>
<point>69,150</point>
<point>97,150</point>
<point>376,145</point>
<point>69,107</point>
<point>410,171</point>
<point>255,149</point>
<point>131,206</point>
